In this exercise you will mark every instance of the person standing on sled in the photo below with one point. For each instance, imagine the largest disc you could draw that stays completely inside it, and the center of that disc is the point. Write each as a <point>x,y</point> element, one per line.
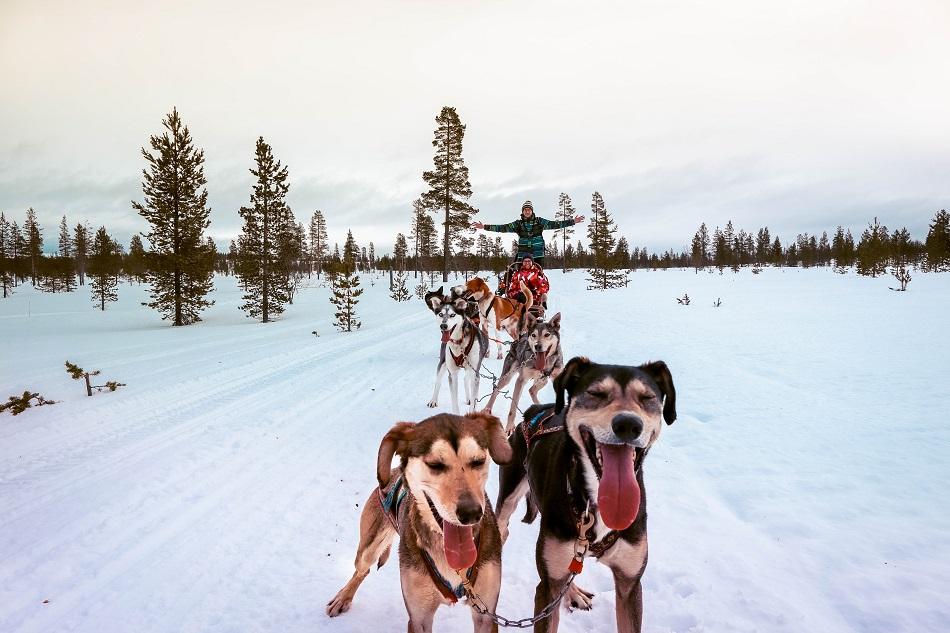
<point>533,277</point>
<point>529,228</point>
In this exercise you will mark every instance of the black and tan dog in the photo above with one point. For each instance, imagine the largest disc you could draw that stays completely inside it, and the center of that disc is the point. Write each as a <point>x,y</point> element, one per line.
<point>536,356</point>
<point>582,460</point>
<point>436,502</point>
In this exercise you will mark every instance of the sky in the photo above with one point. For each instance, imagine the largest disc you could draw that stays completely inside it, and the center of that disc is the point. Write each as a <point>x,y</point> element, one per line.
<point>798,116</point>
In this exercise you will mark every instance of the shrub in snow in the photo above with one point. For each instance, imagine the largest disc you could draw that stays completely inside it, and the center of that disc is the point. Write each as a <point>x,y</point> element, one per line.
<point>684,300</point>
<point>77,372</point>
<point>19,404</point>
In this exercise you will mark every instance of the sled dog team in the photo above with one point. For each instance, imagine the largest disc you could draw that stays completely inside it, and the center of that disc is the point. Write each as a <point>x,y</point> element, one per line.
<point>578,463</point>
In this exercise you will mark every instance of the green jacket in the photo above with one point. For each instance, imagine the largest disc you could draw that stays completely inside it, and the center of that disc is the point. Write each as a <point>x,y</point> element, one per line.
<point>529,233</point>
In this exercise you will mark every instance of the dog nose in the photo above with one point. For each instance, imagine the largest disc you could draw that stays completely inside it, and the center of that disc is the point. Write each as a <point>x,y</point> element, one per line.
<point>627,427</point>
<point>468,511</point>
<point>444,326</point>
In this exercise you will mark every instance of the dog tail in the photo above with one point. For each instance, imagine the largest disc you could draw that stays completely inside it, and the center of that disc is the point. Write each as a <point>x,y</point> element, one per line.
<point>531,509</point>
<point>529,301</point>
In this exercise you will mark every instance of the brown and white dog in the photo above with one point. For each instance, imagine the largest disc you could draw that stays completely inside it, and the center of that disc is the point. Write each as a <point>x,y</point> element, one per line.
<point>499,313</point>
<point>582,459</point>
<point>436,502</point>
<point>533,358</point>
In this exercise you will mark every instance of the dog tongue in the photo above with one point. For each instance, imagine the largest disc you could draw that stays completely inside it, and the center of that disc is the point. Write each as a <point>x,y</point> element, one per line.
<point>460,552</point>
<point>540,359</point>
<point>619,496</point>
<point>446,334</point>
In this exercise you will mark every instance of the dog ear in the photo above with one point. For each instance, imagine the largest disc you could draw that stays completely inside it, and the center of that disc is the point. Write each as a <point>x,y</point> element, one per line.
<point>555,321</point>
<point>567,379</point>
<point>393,442</point>
<point>471,309</point>
<point>664,380</point>
<point>529,321</point>
<point>498,446</point>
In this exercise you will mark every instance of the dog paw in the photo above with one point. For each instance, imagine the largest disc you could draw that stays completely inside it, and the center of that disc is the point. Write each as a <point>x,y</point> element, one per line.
<point>510,428</point>
<point>340,604</point>
<point>499,357</point>
<point>432,404</point>
<point>577,598</point>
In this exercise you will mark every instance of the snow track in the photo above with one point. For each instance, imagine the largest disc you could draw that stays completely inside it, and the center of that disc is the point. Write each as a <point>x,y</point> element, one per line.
<point>220,490</point>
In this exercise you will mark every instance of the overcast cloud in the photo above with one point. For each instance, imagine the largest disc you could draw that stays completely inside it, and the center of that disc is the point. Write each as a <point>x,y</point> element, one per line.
<point>796,115</point>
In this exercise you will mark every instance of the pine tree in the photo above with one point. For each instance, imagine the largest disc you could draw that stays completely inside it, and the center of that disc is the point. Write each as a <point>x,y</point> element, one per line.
<point>601,231</point>
<point>400,292</point>
<point>345,286</point>
<point>66,267</point>
<point>34,243</point>
<point>350,252</point>
<point>872,250</point>
<point>423,234</point>
<point>448,183</point>
<point>81,247</point>
<point>565,211</point>
<point>264,238</point>
<point>17,250</point>
<point>372,257</point>
<point>135,262</point>
<point>318,240</point>
<point>6,256</point>
<point>700,247</point>
<point>103,269</point>
<point>176,207</point>
<point>938,242</point>
<point>400,251</point>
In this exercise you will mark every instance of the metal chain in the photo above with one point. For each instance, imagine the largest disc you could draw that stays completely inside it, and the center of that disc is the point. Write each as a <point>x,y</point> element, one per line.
<point>580,550</point>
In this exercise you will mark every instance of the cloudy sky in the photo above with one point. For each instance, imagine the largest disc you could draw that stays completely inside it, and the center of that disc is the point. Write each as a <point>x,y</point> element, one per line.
<point>796,115</point>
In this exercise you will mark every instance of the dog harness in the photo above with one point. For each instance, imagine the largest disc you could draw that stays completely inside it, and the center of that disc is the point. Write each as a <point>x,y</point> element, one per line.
<point>545,423</point>
<point>391,502</point>
<point>460,359</point>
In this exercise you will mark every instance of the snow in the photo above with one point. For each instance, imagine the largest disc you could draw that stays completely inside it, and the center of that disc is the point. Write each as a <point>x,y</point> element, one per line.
<point>804,486</point>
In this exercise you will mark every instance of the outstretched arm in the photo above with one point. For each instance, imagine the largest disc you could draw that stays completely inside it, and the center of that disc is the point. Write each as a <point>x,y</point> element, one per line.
<point>511,227</point>
<point>560,224</point>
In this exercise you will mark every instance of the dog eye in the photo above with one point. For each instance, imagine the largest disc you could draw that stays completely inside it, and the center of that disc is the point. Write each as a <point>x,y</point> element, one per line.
<point>647,397</point>
<point>437,467</point>
<point>477,463</point>
<point>596,393</point>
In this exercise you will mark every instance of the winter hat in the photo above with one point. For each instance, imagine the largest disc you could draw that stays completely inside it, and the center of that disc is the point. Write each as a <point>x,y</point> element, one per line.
<point>527,204</point>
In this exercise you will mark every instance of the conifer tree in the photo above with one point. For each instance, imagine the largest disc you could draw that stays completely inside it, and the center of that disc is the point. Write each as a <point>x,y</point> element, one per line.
<point>17,250</point>
<point>318,240</point>
<point>400,251</point>
<point>265,238</point>
<point>176,207</point>
<point>603,274</point>
<point>66,268</point>
<point>135,262</point>
<point>81,248</point>
<point>938,242</point>
<point>400,292</point>
<point>350,252</point>
<point>872,250</point>
<point>700,247</point>
<point>372,257</point>
<point>345,289</point>
<point>565,211</point>
<point>103,269</point>
<point>448,183</point>
<point>34,243</point>
<point>6,256</point>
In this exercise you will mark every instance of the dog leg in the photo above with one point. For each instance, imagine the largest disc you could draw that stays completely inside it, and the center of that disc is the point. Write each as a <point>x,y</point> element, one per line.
<point>553,558</point>
<point>487,587</point>
<point>472,388</point>
<point>421,599</point>
<point>376,536</point>
<point>577,598</point>
<point>439,372</point>
<point>627,562</point>
<point>515,399</point>
<point>454,390</point>
<point>506,375</point>
<point>512,483</point>
<point>536,387</point>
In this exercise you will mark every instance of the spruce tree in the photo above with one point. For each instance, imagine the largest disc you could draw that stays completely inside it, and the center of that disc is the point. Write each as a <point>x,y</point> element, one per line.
<point>264,238</point>
<point>17,252</point>
<point>345,289</point>
<point>34,243</point>
<point>448,183</point>
<point>176,207</point>
<point>700,247</point>
<point>103,269</point>
<point>872,250</point>
<point>938,242</point>
<point>565,211</point>
<point>400,292</point>
<point>600,232</point>
<point>350,252</point>
<point>400,251</point>
<point>66,267</point>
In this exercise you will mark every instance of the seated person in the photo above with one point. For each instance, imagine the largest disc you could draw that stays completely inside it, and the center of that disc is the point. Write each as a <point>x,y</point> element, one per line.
<point>533,277</point>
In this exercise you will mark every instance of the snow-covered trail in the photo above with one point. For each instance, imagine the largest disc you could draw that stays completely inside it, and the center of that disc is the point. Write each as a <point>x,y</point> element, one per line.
<point>803,486</point>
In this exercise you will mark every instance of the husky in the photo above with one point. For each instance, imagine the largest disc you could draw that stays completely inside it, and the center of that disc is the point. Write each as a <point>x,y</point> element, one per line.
<point>536,356</point>
<point>498,313</point>
<point>464,347</point>
<point>435,501</point>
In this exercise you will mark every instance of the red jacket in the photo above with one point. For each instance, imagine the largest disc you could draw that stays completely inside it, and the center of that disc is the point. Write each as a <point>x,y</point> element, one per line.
<point>533,278</point>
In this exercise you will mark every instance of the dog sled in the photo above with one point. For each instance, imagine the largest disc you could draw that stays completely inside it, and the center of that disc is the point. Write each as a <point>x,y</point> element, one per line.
<point>534,278</point>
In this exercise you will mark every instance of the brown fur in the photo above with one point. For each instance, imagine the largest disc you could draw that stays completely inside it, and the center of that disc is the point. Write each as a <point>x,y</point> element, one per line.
<point>502,313</point>
<point>460,447</point>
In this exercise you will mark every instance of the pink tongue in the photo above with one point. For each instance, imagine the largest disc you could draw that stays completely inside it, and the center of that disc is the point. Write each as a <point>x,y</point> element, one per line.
<point>460,552</point>
<point>445,335</point>
<point>619,497</point>
<point>540,358</point>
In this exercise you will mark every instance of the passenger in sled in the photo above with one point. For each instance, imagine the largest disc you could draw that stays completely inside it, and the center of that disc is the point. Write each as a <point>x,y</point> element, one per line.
<point>527,271</point>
